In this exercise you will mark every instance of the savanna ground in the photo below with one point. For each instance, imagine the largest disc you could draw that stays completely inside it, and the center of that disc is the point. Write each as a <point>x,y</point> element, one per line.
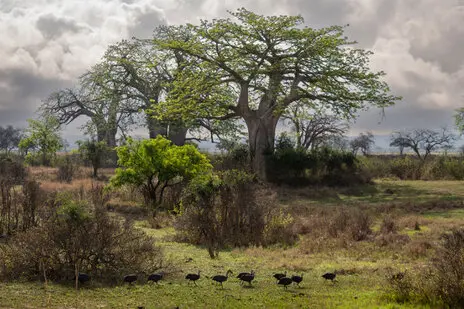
<point>420,211</point>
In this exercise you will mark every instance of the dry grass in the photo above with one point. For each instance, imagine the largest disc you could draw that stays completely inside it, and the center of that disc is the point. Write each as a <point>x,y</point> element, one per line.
<point>406,222</point>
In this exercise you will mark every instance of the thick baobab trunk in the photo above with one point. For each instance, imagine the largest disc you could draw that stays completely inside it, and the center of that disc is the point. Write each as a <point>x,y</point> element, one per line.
<point>261,137</point>
<point>155,128</point>
<point>177,135</point>
<point>111,137</point>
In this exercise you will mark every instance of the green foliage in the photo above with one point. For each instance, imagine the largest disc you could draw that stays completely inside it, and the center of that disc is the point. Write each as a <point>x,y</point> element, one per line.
<point>459,119</point>
<point>43,139</point>
<point>253,67</point>
<point>152,165</point>
<point>93,152</point>
<point>250,48</point>
<point>321,166</point>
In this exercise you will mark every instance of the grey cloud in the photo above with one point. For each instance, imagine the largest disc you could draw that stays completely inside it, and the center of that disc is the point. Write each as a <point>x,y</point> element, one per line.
<point>53,27</point>
<point>23,95</point>
<point>447,51</point>
<point>426,64</point>
<point>145,23</point>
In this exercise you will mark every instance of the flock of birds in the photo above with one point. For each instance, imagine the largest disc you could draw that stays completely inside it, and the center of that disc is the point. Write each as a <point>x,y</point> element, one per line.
<point>281,278</point>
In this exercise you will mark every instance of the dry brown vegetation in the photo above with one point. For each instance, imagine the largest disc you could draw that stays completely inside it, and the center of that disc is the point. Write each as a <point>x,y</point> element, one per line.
<point>379,231</point>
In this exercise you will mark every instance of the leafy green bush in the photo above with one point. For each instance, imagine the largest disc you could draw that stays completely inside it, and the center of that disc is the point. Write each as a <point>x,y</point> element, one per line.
<point>152,165</point>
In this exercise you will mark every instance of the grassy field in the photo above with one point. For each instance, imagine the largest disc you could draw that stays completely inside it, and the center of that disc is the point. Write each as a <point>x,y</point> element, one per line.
<point>362,266</point>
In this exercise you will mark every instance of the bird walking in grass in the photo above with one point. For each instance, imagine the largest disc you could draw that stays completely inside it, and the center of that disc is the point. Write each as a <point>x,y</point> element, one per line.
<point>239,276</point>
<point>285,281</point>
<point>329,276</point>
<point>221,278</point>
<point>297,279</point>
<point>130,278</point>
<point>247,277</point>
<point>82,278</point>
<point>193,277</point>
<point>156,277</point>
<point>280,276</point>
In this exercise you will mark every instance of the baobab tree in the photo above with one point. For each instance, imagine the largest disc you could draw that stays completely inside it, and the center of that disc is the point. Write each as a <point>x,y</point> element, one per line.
<point>254,67</point>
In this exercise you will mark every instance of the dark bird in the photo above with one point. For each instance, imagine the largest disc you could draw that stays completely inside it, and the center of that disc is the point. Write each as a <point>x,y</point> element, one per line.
<point>240,275</point>
<point>193,277</point>
<point>221,278</point>
<point>130,278</point>
<point>297,279</point>
<point>82,278</point>
<point>280,276</point>
<point>285,281</point>
<point>248,277</point>
<point>156,277</point>
<point>329,276</point>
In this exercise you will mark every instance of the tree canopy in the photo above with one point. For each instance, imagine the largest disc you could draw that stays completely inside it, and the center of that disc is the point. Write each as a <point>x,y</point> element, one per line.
<point>254,67</point>
<point>155,164</point>
<point>9,138</point>
<point>42,136</point>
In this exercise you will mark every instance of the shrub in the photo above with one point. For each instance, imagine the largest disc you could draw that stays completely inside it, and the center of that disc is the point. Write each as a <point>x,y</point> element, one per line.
<point>231,209</point>
<point>448,267</point>
<point>442,280</point>
<point>15,211</point>
<point>353,223</point>
<point>77,237</point>
<point>67,168</point>
<point>455,168</point>
<point>388,225</point>
<point>324,165</point>
<point>94,153</point>
<point>406,168</point>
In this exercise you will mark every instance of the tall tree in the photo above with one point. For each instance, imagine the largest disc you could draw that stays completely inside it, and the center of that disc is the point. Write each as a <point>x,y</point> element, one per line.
<point>423,141</point>
<point>104,105</point>
<point>254,67</point>
<point>363,142</point>
<point>142,73</point>
<point>9,138</point>
<point>145,73</point>
<point>42,136</point>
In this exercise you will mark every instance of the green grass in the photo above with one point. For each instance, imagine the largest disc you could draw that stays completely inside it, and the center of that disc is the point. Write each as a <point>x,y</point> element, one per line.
<point>366,263</point>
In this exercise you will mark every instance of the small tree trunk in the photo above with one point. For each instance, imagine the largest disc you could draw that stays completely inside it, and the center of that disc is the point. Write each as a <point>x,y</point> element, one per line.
<point>76,274</point>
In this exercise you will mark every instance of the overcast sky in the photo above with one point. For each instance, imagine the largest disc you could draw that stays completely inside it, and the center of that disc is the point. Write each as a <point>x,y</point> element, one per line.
<point>47,44</point>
